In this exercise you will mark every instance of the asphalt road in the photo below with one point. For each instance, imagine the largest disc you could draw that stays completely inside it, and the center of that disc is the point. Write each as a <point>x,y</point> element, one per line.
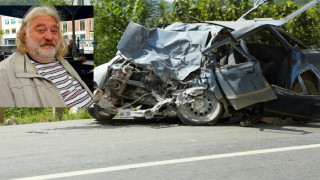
<point>152,149</point>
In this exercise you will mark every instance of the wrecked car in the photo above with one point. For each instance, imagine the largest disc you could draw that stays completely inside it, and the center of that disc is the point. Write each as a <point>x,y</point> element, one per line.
<point>204,71</point>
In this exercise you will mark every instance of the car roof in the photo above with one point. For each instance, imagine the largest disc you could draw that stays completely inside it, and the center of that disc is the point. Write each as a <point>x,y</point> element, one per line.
<point>237,25</point>
<point>240,27</point>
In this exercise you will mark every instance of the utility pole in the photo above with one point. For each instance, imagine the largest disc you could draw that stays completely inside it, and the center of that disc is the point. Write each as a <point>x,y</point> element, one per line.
<point>57,112</point>
<point>1,115</point>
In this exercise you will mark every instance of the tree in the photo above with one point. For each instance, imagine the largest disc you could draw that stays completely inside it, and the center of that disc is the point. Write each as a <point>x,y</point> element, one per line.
<point>1,34</point>
<point>305,26</point>
<point>112,18</point>
<point>55,2</point>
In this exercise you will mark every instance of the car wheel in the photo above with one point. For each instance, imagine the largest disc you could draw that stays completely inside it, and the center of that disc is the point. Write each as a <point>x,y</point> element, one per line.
<point>203,109</point>
<point>100,115</point>
<point>310,85</point>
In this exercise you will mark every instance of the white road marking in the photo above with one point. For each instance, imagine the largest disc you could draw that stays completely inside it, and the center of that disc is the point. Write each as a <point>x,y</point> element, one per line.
<point>166,162</point>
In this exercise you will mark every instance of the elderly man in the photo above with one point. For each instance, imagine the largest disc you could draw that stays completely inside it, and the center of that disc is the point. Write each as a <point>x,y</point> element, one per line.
<point>37,75</point>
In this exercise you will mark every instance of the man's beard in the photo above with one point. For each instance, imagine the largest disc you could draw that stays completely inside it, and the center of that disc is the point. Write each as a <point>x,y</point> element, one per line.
<point>34,48</point>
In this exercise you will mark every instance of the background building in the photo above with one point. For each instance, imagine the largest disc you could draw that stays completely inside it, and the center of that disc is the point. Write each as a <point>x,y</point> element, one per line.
<point>83,32</point>
<point>10,26</point>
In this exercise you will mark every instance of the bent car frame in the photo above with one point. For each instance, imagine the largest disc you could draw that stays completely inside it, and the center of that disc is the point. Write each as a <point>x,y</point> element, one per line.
<point>204,71</point>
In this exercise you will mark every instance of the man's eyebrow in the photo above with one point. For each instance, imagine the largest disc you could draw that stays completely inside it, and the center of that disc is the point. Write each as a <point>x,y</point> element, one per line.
<point>40,25</point>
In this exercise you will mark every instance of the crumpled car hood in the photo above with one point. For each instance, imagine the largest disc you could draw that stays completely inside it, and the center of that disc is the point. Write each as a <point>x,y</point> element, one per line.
<point>172,52</point>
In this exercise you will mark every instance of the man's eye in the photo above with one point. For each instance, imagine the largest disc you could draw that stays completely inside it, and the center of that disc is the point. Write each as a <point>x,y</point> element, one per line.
<point>54,31</point>
<point>40,30</point>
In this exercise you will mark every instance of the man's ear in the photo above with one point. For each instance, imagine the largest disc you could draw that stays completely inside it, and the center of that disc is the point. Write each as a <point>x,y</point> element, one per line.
<point>24,34</point>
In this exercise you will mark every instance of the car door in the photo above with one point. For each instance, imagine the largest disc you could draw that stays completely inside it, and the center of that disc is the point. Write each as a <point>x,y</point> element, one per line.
<point>242,80</point>
<point>244,84</point>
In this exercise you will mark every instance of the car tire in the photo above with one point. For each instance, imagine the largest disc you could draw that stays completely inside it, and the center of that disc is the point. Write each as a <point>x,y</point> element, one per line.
<point>204,109</point>
<point>100,115</point>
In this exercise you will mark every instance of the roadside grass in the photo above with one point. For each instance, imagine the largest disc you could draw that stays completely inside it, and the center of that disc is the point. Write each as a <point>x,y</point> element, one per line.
<point>35,115</point>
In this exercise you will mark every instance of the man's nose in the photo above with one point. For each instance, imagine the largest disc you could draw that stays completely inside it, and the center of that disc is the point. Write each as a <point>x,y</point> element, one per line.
<point>48,35</point>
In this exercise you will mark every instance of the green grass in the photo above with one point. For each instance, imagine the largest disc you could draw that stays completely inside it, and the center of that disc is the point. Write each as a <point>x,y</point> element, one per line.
<point>34,115</point>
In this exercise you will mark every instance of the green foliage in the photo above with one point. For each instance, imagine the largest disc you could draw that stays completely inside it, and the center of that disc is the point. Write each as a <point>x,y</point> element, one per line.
<point>112,18</point>
<point>55,2</point>
<point>299,2</point>
<point>29,115</point>
<point>32,115</point>
<point>305,27</point>
<point>82,114</point>
<point>215,10</point>
<point>110,23</point>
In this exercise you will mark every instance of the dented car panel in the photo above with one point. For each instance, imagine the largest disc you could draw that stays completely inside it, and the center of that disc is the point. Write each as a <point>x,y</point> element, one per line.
<point>244,84</point>
<point>201,72</point>
<point>100,72</point>
<point>290,104</point>
<point>168,53</point>
<point>302,66</point>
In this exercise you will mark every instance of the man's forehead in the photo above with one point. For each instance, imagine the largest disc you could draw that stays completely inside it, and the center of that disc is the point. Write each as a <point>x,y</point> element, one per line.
<point>44,21</point>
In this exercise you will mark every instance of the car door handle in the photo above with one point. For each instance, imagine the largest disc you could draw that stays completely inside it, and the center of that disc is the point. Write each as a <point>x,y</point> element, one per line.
<point>248,71</point>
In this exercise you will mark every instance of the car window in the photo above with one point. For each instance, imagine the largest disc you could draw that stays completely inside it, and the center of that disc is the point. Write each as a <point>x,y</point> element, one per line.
<point>269,51</point>
<point>294,42</point>
<point>263,36</point>
<point>264,45</point>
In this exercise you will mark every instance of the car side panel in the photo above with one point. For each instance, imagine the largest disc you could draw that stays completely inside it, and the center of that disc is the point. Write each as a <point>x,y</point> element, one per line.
<point>291,104</point>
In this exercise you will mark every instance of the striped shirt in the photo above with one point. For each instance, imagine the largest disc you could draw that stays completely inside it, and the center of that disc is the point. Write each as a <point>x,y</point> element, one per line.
<point>74,95</point>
